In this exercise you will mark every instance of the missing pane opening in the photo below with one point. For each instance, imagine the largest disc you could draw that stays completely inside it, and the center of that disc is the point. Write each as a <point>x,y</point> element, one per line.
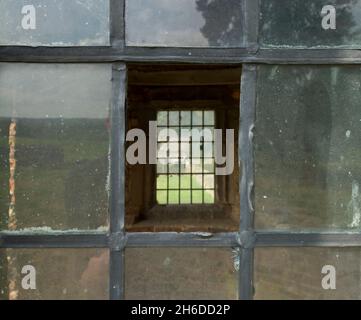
<point>181,191</point>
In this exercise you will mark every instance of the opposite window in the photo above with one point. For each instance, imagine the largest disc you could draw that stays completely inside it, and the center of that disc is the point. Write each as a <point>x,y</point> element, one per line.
<point>185,159</point>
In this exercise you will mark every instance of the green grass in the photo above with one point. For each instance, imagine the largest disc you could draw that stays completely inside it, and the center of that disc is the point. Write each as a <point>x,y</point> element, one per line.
<point>184,196</point>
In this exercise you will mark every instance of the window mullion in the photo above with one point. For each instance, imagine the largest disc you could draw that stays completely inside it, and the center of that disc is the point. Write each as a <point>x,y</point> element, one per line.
<point>246,155</point>
<point>117,202</point>
<point>117,23</point>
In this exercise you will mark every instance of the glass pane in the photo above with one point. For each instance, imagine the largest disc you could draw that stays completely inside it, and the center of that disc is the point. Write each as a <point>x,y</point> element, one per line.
<point>161,197</point>
<point>208,165</point>
<point>54,145</point>
<point>184,23</point>
<point>208,133</point>
<point>162,151</point>
<point>208,196</point>
<point>308,147</point>
<point>301,23</point>
<point>197,150</point>
<point>174,150</point>
<point>186,181</point>
<point>59,274</point>
<point>173,181</point>
<point>173,197</point>
<point>162,134</point>
<point>185,152</point>
<point>209,118</point>
<point>307,273</point>
<point>186,134</point>
<point>173,132</point>
<point>208,150</point>
<point>197,196</point>
<point>185,118</point>
<point>174,118</point>
<point>197,166</point>
<point>169,273</point>
<point>197,181</point>
<point>161,168</point>
<point>185,197</point>
<point>59,23</point>
<point>173,167</point>
<point>185,166</point>
<point>208,181</point>
<point>162,118</point>
<point>162,182</point>
<point>197,119</point>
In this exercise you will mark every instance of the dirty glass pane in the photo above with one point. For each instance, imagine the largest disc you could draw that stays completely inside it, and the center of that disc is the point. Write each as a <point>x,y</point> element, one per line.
<point>308,147</point>
<point>54,144</point>
<point>54,22</point>
<point>307,273</point>
<point>59,274</point>
<point>303,23</point>
<point>184,23</point>
<point>172,273</point>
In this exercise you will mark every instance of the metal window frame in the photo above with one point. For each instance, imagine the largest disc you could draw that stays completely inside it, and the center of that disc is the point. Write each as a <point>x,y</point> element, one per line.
<point>117,239</point>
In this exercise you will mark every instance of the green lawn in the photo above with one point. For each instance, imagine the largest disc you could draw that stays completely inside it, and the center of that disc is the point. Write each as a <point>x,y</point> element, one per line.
<point>185,196</point>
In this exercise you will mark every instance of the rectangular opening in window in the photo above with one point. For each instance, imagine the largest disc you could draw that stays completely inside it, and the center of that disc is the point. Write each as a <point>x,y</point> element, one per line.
<point>184,108</point>
<point>185,157</point>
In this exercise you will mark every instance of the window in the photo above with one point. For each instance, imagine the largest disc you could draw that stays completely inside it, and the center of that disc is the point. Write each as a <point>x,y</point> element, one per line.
<point>77,78</point>
<point>185,161</point>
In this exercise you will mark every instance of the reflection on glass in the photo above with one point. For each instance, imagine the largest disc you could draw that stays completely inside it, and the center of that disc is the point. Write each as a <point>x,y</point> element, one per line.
<point>296,273</point>
<point>54,22</point>
<point>298,23</point>
<point>54,144</point>
<point>184,23</point>
<point>180,274</point>
<point>59,274</point>
<point>308,144</point>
